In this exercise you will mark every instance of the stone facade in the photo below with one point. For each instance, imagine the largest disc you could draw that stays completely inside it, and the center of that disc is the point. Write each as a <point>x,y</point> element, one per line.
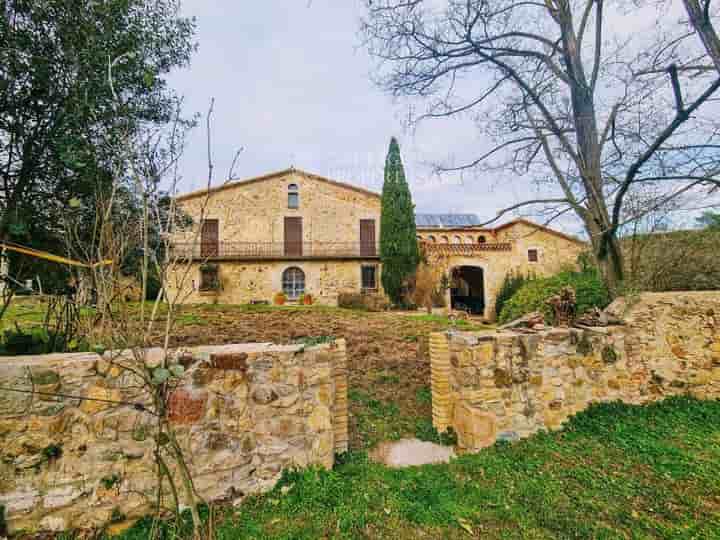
<point>493,386</point>
<point>251,233</point>
<point>500,251</point>
<point>246,282</point>
<point>242,414</point>
<point>251,216</point>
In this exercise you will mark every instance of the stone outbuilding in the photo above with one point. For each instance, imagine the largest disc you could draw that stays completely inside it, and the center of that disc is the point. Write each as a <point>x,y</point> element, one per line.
<point>302,234</point>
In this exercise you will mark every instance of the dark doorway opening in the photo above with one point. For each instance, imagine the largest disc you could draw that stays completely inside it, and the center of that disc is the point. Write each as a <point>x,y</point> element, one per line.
<point>467,290</point>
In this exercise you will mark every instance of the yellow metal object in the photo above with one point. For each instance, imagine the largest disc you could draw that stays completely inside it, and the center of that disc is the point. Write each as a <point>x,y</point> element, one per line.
<point>50,257</point>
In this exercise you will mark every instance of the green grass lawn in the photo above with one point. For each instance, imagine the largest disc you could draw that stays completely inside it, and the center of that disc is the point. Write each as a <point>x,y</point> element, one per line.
<point>615,471</point>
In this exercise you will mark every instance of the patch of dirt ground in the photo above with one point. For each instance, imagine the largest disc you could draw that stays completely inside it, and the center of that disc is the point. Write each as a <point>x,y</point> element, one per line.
<point>389,373</point>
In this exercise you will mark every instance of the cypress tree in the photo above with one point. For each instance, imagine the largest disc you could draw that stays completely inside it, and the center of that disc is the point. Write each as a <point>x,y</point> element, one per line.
<point>399,252</point>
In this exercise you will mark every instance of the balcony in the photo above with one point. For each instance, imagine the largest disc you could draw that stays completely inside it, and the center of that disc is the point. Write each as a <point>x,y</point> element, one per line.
<point>241,251</point>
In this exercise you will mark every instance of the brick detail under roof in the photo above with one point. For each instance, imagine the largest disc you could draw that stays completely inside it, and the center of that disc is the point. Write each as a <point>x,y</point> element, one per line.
<point>464,249</point>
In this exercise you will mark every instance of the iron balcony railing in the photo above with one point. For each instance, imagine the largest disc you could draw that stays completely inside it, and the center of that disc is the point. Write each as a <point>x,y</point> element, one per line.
<point>273,250</point>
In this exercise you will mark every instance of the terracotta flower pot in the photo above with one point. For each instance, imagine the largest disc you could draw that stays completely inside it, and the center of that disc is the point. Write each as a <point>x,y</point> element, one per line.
<point>279,299</point>
<point>308,300</point>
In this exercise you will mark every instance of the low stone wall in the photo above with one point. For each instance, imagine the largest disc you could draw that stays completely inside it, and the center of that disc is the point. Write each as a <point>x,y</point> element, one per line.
<point>242,413</point>
<point>493,386</point>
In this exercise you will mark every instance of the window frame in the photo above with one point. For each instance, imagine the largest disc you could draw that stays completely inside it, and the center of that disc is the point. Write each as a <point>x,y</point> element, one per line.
<point>294,288</point>
<point>209,281</point>
<point>374,268</point>
<point>293,192</point>
<point>536,251</point>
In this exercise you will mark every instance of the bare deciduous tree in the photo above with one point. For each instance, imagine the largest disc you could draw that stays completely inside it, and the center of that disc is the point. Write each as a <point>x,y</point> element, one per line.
<point>700,16</point>
<point>588,111</point>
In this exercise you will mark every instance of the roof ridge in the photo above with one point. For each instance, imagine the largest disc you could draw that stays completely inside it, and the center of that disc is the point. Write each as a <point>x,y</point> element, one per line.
<point>235,182</point>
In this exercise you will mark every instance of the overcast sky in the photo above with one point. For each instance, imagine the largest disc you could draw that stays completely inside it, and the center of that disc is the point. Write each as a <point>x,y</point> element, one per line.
<point>292,86</point>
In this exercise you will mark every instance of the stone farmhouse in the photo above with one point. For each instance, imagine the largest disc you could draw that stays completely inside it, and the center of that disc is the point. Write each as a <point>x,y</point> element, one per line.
<point>302,234</point>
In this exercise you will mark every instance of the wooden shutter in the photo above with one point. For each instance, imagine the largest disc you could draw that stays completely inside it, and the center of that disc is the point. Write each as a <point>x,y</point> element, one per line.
<point>367,238</point>
<point>210,238</point>
<point>293,237</point>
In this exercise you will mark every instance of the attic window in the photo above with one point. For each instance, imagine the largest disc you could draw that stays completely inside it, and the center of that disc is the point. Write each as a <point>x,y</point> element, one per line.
<point>293,196</point>
<point>481,239</point>
<point>532,255</point>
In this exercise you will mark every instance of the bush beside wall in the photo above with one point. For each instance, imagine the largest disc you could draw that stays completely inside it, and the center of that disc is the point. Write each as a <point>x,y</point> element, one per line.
<point>673,261</point>
<point>363,301</point>
<point>533,295</point>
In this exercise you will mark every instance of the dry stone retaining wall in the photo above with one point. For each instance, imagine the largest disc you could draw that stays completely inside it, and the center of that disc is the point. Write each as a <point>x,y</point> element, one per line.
<point>508,385</point>
<point>242,413</point>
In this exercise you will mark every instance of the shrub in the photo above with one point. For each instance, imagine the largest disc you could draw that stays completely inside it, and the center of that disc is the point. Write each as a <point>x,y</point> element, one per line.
<point>425,290</point>
<point>533,295</point>
<point>511,284</point>
<point>672,261</point>
<point>363,302</point>
<point>18,341</point>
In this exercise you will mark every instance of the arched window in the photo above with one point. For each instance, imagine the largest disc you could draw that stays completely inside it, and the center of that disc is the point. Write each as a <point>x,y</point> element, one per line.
<point>419,238</point>
<point>431,239</point>
<point>481,240</point>
<point>293,196</point>
<point>445,239</point>
<point>457,239</point>
<point>470,240</point>
<point>293,282</point>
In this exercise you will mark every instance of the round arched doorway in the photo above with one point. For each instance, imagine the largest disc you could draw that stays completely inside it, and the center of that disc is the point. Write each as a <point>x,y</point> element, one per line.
<point>467,289</point>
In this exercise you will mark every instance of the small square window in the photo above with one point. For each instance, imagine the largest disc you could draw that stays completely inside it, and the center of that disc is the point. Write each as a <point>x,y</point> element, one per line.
<point>369,278</point>
<point>532,255</point>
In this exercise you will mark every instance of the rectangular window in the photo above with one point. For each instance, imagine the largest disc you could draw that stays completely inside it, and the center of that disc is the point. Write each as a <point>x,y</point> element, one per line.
<point>209,278</point>
<point>367,238</point>
<point>293,200</point>
<point>533,255</point>
<point>369,278</point>
<point>210,238</point>
<point>293,237</point>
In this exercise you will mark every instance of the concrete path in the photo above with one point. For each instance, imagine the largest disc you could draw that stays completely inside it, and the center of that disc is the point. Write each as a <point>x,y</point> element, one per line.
<point>410,452</point>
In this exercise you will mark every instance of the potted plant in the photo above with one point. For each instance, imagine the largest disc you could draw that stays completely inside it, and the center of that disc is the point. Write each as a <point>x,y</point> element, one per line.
<point>280,299</point>
<point>307,299</point>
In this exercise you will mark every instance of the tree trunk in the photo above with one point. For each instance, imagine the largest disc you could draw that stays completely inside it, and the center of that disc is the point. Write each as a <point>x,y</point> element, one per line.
<point>704,28</point>
<point>607,254</point>
<point>611,269</point>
